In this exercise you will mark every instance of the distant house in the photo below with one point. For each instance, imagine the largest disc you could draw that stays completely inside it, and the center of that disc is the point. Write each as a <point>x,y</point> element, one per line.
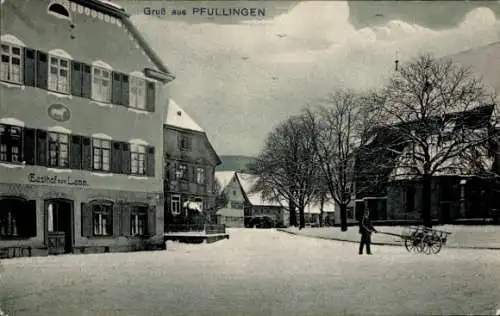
<point>456,194</point>
<point>230,217</point>
<point>312,213</point>
<point>239,193</point>
<point>190,162</point>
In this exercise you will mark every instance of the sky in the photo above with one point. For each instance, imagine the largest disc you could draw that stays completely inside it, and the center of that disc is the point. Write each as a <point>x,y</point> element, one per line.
<point>240,77</point>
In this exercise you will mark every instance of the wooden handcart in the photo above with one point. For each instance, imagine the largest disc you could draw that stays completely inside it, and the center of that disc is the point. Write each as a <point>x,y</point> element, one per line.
<point>421,239</point>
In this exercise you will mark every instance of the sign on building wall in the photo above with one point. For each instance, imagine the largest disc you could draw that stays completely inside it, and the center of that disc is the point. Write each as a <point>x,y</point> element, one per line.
<point>59,112</point>
<point>66,180</point>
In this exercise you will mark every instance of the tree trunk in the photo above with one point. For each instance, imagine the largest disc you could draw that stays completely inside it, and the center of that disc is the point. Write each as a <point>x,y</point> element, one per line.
<point>293,213</point>
<point>343,217</point>
<point>302,218</point>
<point>426,200</point>
<point>321,213</point>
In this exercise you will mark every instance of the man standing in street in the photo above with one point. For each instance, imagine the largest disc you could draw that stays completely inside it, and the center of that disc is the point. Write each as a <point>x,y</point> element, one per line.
<point>366,229</point>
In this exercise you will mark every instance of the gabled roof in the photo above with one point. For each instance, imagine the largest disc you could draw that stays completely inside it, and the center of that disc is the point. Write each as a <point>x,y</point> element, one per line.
<point>247,183</point>
<point>177,117</point>
<point>224,177</point>
<point>118,12</point>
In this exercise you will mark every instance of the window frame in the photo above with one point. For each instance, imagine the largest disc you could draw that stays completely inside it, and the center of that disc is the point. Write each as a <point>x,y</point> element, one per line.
<point>58,143</point>
<point>11,56</point>
<point>101,150</point>
<point>135,85</point>
<point>184,142</point>
<point>138,151</point>
<point>7,142</point>
<point>182,172</point>
<point>200,175</point>
<point>105,230</point>
<point>97,88</point>
<point>137,213</point>
<point>175,199</point>
<point>59,67</point>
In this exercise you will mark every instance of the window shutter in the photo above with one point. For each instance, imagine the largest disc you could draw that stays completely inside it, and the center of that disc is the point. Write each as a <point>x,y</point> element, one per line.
<point>125,220</point>
<point>75,157</point>
<point>76,78</point>
<point>29,144</point>
<point>150,96</point>
<point>152,220</point>
<point>116,94</point>
<point>125,158</point>
<point>42,70</point>
<point>193,174</point>
<point>46,222</point>
<point>116,157</point>
<point>86,81</point>
<point>86,210</point>
<point>125,91</point>
<point>29,67</point>
<point>150,166</point>
<point>86,153</point>
<point>116,218</point>
<point>41,147</point>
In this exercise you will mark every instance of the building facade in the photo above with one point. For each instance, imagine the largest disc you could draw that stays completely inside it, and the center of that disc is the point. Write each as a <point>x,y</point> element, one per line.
<point>81,144</point>
<point>462,191</point>
<point>190,162</point>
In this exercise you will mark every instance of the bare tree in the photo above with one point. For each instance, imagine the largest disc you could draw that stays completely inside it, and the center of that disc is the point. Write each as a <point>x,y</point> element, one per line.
<point>287,167</point>
<point>339,127</point>
<point>432,104</point>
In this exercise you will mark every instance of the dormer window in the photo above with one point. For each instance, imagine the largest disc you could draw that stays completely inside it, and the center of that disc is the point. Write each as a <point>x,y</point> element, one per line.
<point>59,11</point>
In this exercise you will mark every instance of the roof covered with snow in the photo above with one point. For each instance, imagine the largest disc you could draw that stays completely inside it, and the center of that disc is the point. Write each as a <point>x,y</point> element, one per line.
<point>177,117</point>
<point>224,177</point>
<point>247,182</point>
<point>315,207</point>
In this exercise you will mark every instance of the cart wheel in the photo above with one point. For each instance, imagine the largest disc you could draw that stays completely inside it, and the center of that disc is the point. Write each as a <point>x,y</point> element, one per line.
<point>409,245</point>
<point>427,246</point>
<point>436,247</point>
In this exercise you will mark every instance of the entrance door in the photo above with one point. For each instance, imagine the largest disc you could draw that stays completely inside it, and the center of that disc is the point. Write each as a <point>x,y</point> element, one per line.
<point>59,225</point>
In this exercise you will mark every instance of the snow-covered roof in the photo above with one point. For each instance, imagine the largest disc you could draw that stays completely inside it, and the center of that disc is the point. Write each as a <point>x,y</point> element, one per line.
<point>177,117</point>
<point>224,177</point>
<point>111,4</point>
<point>315,207</point>
<point>230,212</point>
<point>247,182</point>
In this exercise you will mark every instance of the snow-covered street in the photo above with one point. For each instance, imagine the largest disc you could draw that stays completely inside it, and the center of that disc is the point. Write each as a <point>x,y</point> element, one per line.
<point>256,272</point>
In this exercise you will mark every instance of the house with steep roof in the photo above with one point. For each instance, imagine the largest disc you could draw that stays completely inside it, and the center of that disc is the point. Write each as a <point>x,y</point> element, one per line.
<point>460,190</point>
<point>190,162</point>
<point>81,130</point>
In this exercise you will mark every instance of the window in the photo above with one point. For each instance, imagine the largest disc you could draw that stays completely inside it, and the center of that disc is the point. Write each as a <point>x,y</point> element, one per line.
<point>236,205</point>
<point>59,74</point>
<point>137,93</point>
<point>101,84</point>
<point>199,202</point>
<point>59,10</point>
<point>175,204</point>
<point>102,223</point>
<point>200,175</point>
<point>182,172</point>
<point>10,67</point>
<point>184,142</point>
<point>101,152</point>
<point>10,143</point>
<point>17,218</point>
<point>58,150</point>
<point>138,221</point>
<point>138,157</point>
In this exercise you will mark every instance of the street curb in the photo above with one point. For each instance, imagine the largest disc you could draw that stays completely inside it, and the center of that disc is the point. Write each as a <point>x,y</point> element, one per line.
<point>381,243</point>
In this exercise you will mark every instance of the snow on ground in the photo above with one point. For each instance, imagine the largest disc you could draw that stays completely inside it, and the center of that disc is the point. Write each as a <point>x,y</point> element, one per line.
<point>256,272</point>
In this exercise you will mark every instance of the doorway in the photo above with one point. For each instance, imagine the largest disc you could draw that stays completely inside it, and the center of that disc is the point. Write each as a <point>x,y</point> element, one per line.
<point>59,226</point>
<point>445,212</point>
